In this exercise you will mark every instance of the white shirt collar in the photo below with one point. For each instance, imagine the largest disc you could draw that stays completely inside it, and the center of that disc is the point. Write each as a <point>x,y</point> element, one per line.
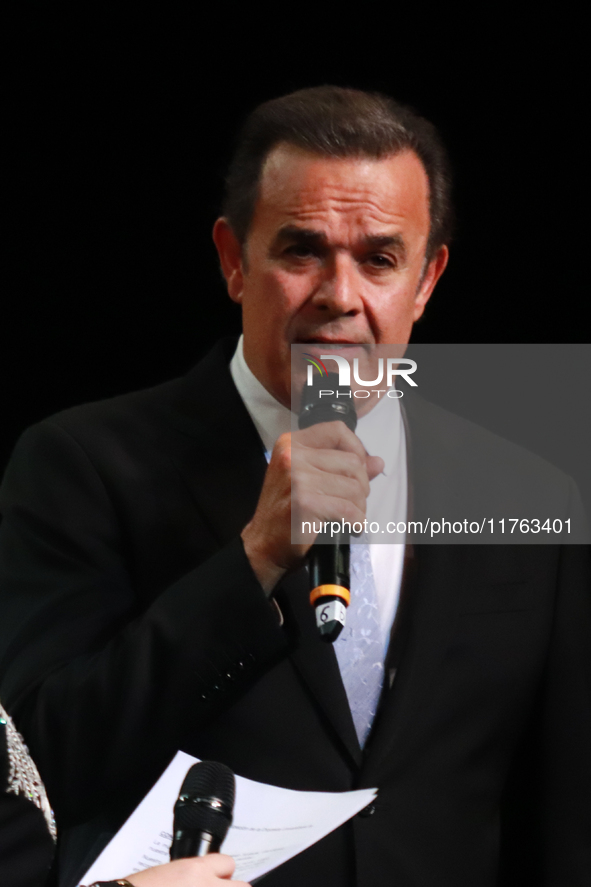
<point>271,418</point>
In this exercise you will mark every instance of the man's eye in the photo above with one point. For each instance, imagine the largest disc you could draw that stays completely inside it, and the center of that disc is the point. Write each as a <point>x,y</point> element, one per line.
<point>300,252</point>
<point>380,261</point>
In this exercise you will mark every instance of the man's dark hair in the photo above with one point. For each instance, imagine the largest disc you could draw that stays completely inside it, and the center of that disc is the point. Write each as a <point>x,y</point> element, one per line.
<point>337,122</point>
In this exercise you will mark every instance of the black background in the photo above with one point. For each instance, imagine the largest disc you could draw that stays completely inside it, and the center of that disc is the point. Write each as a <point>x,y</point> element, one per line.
<point>120,129</point>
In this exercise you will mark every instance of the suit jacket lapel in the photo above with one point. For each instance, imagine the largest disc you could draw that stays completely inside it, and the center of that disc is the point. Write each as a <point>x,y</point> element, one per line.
<point>223,464</point>
<point>433,612</point>
<point>429,603</point>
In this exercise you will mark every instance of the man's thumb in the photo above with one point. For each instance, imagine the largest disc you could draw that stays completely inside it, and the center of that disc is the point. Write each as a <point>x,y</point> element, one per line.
<point>375,465</point>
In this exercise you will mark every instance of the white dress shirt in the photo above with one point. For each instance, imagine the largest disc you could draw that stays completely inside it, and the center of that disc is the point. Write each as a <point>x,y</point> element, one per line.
<point>381,432</point>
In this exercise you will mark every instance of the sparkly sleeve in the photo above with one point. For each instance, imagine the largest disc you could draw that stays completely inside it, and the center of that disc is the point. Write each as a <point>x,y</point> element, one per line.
<point>23,776</point>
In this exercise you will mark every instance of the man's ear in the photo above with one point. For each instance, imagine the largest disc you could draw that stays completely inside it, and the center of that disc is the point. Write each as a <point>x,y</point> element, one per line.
<point>434,271</point>
<point>230,253</point>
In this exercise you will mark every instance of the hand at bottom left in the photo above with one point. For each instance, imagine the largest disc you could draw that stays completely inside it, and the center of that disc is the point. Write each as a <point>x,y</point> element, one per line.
<point>204,871</point>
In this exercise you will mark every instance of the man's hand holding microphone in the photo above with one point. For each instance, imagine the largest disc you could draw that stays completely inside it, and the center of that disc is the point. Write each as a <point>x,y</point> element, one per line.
<point>323,474</point>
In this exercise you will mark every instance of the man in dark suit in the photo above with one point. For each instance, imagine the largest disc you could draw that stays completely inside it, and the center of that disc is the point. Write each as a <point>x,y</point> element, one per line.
<point>152,599</point>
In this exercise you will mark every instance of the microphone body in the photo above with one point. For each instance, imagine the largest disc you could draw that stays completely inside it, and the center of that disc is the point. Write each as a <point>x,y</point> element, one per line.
<point>330,585</point>
<point>203,811</point>
<point>329,562</point>
<point>193,843</point>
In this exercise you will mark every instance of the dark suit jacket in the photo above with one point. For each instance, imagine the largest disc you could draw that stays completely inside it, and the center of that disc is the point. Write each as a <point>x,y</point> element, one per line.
<point>133,626</point>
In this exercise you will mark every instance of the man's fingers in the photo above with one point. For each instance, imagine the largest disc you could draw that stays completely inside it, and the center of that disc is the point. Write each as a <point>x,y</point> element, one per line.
<point>327,508</point>
<point>336,436</point>
<point>331,436</point>
<point>332,463</point>
<point>315,499</point>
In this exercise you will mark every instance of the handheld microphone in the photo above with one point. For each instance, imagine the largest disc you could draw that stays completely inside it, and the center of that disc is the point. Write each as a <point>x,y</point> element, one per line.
<point>329,563</point>
<point>203,811</point>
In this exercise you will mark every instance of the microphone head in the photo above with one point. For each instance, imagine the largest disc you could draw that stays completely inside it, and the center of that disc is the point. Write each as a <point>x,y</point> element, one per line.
<point>318,405</point>
<point>206,800</point>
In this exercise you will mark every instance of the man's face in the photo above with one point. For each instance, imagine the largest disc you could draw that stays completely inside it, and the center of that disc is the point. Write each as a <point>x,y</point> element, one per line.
<point>334,255</point>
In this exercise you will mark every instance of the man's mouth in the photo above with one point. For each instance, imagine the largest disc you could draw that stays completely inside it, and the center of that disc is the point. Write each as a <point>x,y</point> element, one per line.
<point>329,342</point>
<point>325,340</point>
<point>318,346</point>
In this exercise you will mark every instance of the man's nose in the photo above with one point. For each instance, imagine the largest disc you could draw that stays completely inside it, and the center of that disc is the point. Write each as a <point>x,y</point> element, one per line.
<point>339,291</point>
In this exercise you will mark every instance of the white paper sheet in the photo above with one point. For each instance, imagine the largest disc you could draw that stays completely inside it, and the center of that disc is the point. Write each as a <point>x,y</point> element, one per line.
<point>270,825</point>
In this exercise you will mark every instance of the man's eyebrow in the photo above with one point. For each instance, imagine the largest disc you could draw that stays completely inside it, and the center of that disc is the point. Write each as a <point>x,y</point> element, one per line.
<point>309,235</point>
<point>381,241</point>
<point>301,235</point>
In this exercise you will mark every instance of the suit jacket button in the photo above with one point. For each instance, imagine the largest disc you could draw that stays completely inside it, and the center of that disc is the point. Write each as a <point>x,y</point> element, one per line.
<point>368,811</point>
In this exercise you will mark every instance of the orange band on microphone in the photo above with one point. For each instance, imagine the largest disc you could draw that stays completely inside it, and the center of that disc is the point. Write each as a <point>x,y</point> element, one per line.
<point>332,590</point>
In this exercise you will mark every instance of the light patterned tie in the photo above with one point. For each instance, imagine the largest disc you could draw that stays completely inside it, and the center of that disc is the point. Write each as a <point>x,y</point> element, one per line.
<point>360,648</point>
